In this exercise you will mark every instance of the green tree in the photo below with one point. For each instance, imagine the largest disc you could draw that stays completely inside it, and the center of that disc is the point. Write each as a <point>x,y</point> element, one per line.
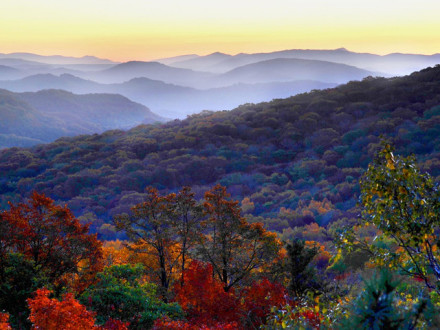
<point>302,276</point>
<point>377,307</point>
<point>19,278</point>
<point>121,294</point>
<point>404,204</point>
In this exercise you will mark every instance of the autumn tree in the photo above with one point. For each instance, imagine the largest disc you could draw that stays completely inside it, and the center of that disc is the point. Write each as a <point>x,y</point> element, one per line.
<point>51,237</point>
<point>186,215</point>
<point>203,298</point>
<point>259,299</point>
<point>165,226</point>
<point>4,322</point>
<point>150,225</point>
<point>52,314</point>
<point>233,246</point>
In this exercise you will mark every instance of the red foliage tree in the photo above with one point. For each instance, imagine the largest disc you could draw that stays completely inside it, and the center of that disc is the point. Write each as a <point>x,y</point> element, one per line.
<point>4,321</point>
<point>67,314</point>
<point>203,298</point>
<point>51,237</point>
<point>52,314</point>
<point>167,324</point>
<point>258,300</point>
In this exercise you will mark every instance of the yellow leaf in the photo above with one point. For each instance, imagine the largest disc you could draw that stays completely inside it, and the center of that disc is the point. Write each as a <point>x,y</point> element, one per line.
<point>390,164</point>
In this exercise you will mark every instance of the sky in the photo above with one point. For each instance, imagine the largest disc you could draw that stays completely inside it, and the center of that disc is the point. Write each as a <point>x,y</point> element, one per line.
<point>125,30</point>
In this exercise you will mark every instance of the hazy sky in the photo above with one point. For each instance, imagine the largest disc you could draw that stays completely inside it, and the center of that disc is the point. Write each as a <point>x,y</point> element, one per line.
<point>147,29</point>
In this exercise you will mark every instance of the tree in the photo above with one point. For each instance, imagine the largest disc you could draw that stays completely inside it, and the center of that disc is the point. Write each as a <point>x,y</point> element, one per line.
<point>18,280</point>
<point>52,238</point>
<point>122,295</point>
<point>186,216</point>
<point>302,276</point>
<point>378,307</point>
<point>150,224</point>
<point>168,226</point>
<point>404,204</point>
<point>233,246</point>
<point>203,298</point>
<point>52,314</point>
<point>259,299</point>
<point>4,322</point>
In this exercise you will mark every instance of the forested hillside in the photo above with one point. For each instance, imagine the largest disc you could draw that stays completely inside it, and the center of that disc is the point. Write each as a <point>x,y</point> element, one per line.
<point>41,117</point>
<point>290,162</point>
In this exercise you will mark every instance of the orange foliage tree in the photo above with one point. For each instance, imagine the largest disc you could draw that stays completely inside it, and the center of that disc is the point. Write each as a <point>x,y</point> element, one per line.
<point>164,227</point>
<point>4,321</point>
<point>150,226</point>
<point>230,244</point>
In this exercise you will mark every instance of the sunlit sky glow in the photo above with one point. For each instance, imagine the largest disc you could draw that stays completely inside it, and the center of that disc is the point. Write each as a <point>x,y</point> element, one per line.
<point>145,29</point>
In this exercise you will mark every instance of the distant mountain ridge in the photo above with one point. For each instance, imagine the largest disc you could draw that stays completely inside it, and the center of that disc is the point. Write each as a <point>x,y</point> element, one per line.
<point>169,100</point>
<point>57,59</point>
<point>183,85</point>
<point>391,64</point>
<point>30,118</point>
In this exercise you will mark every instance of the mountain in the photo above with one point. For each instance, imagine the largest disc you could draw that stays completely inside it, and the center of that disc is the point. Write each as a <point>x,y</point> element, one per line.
<point>292,69</point>
<point>38,82</point>
<point>22,125</point>
<point>174,59</point>
<point>392,64</point>
<point>90,112</point>
<point>56,59</point>
<point>202,63</point>
<point>152,70</point>
<point>30,118</point>
<point>169,100</point>
<point>7,72</point>
<point>277,70</point>
<point>291,161</point>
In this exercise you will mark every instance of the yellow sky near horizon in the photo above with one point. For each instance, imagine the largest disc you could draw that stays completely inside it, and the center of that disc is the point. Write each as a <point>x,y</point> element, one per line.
<point>145,30</point>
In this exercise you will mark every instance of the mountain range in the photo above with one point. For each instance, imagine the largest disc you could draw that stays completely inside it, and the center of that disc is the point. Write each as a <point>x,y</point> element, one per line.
<point>171,100</point>
<point>184,85</point>
<point>290,162</point>
<point>391,64</point>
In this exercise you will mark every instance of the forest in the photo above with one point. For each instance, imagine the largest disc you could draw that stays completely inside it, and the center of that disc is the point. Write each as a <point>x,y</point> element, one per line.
<point>316,211</point>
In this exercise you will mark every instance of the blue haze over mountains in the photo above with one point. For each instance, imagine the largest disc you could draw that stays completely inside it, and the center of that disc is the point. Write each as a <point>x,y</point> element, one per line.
<point>138,92</point>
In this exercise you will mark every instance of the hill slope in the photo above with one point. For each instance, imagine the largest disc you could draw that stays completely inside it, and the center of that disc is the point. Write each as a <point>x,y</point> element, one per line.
<point>31,118</point>
<point>292,161</point>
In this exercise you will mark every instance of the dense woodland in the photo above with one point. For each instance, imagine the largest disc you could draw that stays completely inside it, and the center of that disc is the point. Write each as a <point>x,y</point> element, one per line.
<point>290,162</point>
<point>317,211</point>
